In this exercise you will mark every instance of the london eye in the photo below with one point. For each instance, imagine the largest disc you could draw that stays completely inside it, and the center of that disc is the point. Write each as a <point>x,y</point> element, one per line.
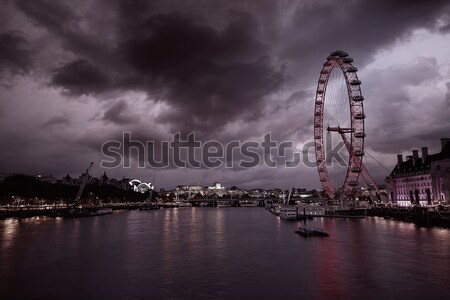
<point>339,126</point>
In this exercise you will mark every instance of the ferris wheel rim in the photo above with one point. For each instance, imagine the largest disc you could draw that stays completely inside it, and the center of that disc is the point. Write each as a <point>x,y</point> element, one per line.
<point>339,59</point>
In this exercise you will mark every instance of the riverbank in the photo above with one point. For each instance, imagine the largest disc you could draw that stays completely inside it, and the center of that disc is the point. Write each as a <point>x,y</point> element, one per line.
<point>420,215</point>
<point>51,211</point>
<point>29,211</point>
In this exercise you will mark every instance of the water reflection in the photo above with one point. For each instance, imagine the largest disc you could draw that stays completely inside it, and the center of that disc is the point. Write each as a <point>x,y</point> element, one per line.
<point>218,233</point>
<point>231,253</point>
<point>8,232</point>
<point>170,244</point>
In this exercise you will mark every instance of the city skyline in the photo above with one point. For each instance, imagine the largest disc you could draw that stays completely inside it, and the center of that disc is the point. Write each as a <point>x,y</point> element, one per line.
<point>76,75</point>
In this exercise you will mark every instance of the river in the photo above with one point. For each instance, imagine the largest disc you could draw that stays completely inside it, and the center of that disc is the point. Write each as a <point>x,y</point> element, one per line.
<point>220,253</point>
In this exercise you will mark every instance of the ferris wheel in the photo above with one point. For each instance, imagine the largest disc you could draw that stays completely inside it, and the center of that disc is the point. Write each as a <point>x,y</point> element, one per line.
<point>339,120</point>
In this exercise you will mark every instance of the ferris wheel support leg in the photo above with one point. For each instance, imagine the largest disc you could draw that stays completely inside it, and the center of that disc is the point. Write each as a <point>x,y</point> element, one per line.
<point>347,145</point>
<point>365,173</point>
<point>364,180</point>
<point>372,197</point>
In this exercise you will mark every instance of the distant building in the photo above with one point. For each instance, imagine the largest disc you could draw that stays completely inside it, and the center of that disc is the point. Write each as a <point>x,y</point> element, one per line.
<point>440,176</point>
<point>257,193</point>
<point>3,177</point>
<point>68,180</point>
<point>195,188</point>
<point>104,180</point>
<point>46,178</point>
<point>421,180</point>
<point>124,184</point>
<point>217,189</point>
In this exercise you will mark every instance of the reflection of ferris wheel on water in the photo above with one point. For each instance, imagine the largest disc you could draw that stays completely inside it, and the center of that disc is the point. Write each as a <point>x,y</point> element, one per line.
<point>339,109</point>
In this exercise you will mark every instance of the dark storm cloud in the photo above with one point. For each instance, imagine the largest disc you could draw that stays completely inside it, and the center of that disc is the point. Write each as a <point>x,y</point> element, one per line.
<point>294,99</point>
<point>402,113</point>
<point>62,22</point>
<point>445,28</point>
<point>201,72</point>
<point>223,95</point>
<point>208,77</point>
<point>14,55</point>
<point>80,77</point>
<point>447,97</point>
<point>359,27</point>
<point>55,122</point>
<point>119,114</point>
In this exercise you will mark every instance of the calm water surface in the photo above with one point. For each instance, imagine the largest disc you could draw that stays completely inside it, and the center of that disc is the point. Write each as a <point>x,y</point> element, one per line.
<point>220,253</point>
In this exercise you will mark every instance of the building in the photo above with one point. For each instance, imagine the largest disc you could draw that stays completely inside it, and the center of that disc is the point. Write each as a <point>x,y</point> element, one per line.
<point>216,189</point>
<point>440,177</point>
<point>46,178</point>
<point>421,180</point>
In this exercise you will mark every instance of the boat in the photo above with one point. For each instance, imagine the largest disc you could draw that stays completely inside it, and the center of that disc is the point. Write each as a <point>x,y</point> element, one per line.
<point>102,211</point>
<point>311,231</point>
<point>223,203</point>
<point>80,212</point>
<point>308,211</point>
<point>268,204</point>
<point>150,206</point>
<point>275,210</point>
<point>248,203</point>
<point>288,212</point>
<point>184,204</point>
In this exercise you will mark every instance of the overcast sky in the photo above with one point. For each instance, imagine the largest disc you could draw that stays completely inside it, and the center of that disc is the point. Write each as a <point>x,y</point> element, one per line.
<point>75,74</point>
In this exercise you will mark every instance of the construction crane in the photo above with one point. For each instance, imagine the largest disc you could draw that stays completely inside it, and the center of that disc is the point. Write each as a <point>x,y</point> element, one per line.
<point>84,179</point>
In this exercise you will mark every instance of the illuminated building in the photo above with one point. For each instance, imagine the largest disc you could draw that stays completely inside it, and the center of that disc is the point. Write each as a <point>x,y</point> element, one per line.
<point>421,180</point>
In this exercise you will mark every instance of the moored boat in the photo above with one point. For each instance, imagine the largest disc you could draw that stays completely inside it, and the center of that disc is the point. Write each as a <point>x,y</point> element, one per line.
<point>275,210</point>
<point>102,211</point>
<point>223,204</point>
<point>150,206</point>
<point>85,212</point>
<point>288,212</point>
<point>248,203</point>
<point>311,231</point>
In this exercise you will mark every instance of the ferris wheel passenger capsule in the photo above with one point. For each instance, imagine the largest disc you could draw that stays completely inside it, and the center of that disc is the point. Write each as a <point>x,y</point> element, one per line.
<point>358,153</point>
<point>353,183</point>
<point>334,53</point>
<point>347,60</point>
